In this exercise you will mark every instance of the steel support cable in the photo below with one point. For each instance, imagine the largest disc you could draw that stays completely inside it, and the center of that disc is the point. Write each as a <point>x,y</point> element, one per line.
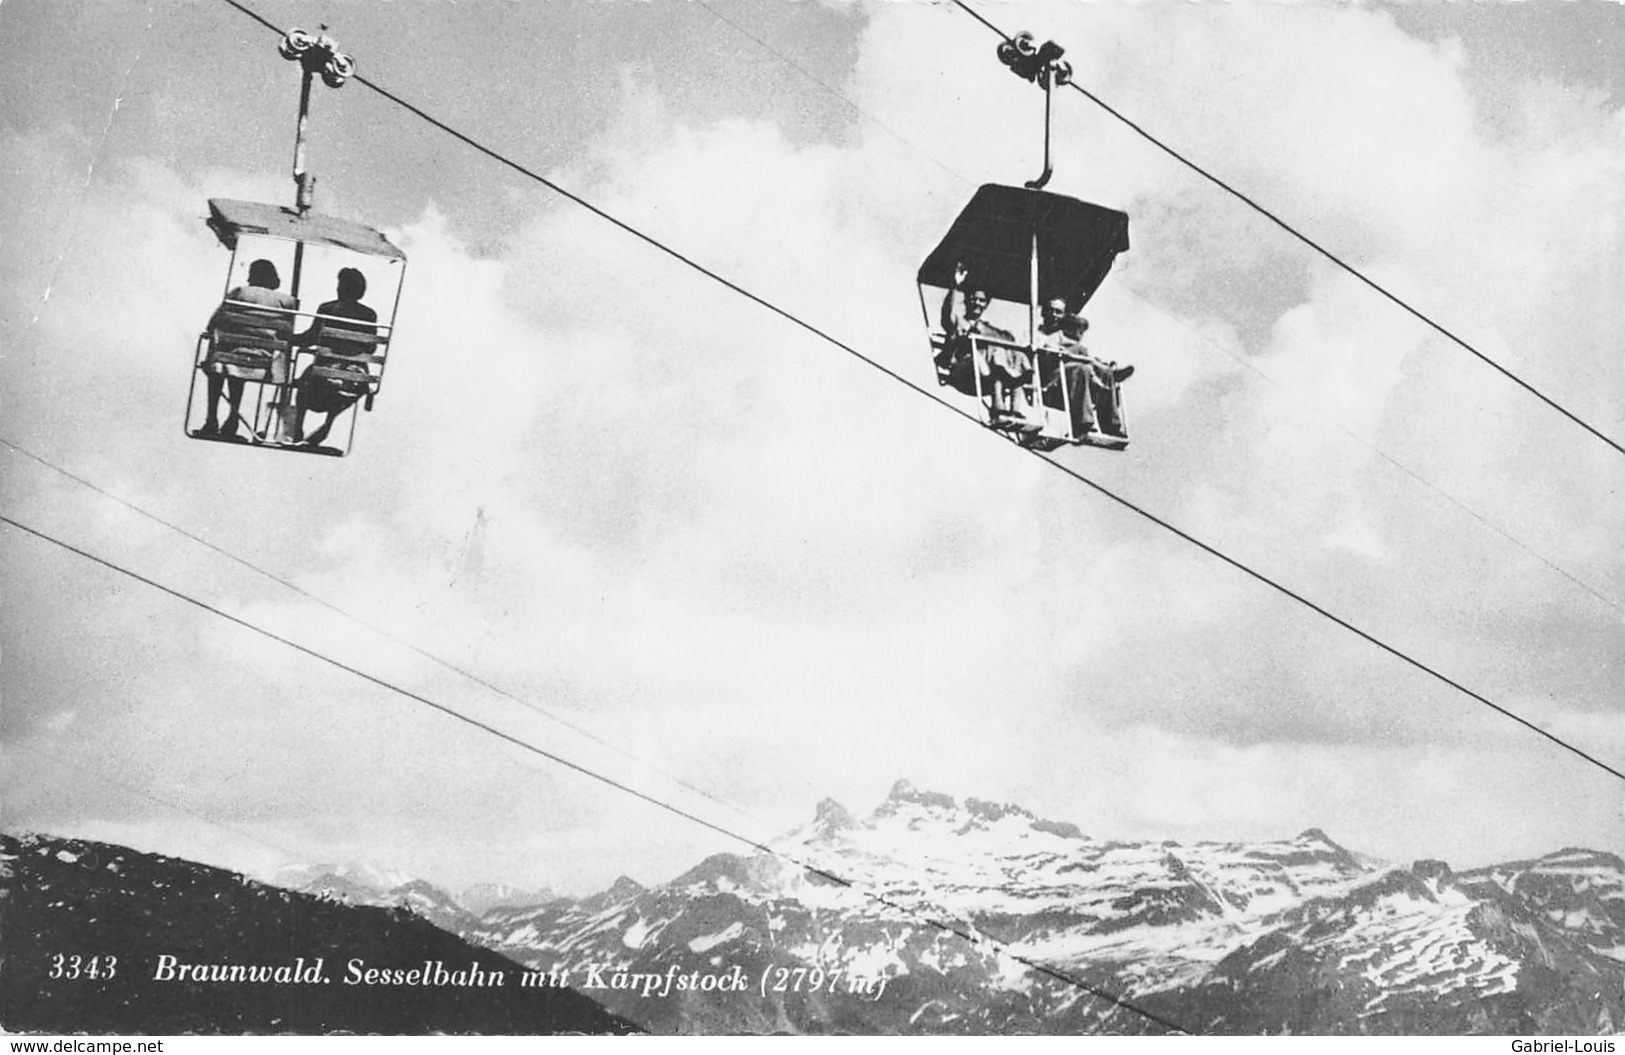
<point>1368,445</point>
<point>1418,477</point>
<point>953,928</point>
<point>1241,360</point>
<point>941,402</point>
<point>1318,248</point>
<point>431,657</point>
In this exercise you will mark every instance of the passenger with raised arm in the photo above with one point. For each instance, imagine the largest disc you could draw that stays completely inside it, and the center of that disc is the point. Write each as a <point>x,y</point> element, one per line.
<point>331,336</point>
<point>1006,368</point>
<point>257,309</point>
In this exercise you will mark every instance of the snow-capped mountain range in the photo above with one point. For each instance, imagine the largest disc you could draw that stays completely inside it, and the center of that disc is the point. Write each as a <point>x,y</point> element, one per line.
<point>934,915</point>
<point>483,897</point>
<point>368,885</point>
<point>939,916</point>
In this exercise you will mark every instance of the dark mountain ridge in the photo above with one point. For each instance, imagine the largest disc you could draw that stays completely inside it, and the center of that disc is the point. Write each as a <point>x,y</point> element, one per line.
<point>103,939</point>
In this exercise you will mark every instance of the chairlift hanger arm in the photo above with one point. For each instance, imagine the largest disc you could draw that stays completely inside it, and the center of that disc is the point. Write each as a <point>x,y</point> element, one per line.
<point>319,56</point>
<point>1042,65</point>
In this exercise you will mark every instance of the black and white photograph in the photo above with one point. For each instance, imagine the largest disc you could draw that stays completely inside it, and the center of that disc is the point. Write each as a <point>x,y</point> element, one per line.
<point>989,518</point>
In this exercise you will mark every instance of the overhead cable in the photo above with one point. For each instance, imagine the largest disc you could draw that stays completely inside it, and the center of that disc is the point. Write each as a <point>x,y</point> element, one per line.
<point>949,927</point>
<point>409,646</point>
<point>796,320</point>
<point>1206,341</point>
<point>1322,250</point>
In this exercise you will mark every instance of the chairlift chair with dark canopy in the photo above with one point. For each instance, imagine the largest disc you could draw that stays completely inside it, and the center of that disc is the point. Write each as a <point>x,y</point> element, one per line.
<point>1024,247</point>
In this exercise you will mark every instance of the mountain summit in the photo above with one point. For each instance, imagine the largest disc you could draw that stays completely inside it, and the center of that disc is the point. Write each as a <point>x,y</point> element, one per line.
<point>935,915</point>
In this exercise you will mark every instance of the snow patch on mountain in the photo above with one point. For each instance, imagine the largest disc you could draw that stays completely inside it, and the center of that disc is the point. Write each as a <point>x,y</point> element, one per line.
<point>635,934</point>
<point>982,917</point>
<point>706,942</point>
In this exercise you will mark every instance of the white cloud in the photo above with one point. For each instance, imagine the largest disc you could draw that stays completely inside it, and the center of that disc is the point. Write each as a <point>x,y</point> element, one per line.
<point>601,480</point>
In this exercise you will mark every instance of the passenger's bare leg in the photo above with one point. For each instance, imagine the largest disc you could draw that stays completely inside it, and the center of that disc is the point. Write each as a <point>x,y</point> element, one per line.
<point>211,421</point>
<point>234,394</point>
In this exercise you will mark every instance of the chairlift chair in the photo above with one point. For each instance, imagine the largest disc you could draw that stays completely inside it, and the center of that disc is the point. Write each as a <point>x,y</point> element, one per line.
<point>261,346</point>
<point>1024,247</point>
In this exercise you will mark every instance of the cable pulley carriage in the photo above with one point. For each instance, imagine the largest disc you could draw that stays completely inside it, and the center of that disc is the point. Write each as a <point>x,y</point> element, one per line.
<point>1011,275</point>
<point>267,372</point>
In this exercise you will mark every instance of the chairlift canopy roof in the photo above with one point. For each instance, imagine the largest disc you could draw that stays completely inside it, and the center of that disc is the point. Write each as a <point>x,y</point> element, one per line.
<point>992,237</point>
<point>229,218</point>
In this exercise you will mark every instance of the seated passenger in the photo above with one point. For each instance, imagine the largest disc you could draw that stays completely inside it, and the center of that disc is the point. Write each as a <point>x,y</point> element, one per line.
<point>1006,368</point>
<point>1091,382</point>
<point>261,290</point>
<point>326,395</point>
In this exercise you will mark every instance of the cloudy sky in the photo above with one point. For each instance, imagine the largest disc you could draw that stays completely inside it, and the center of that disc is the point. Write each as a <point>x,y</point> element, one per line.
<point>755,571</point>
